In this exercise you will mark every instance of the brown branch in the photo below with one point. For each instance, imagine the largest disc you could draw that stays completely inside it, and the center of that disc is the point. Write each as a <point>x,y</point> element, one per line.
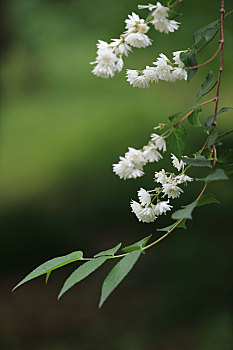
<point>212,87</point>
<point>222,13</point>
<point>203,46</point>
<point>209,60</point>
<point>193,109</point>
<point>178,2</point>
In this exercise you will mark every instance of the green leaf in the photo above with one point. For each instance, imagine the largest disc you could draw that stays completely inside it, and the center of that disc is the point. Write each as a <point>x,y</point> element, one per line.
<point>212,137</point>
<point>206,84</point>
<point>136,246</point>
<point>207,198</point>
<point>176,141</point>
<point>226,157</point>
<point>216,175</point>
<point>174,117</point>
<point>117,274</point>
<point>205,32</point>
<point>209,121</point>
<point>47,276</point>
<point>199,161</point>
<point>189,59</point>
<point>223,135</point>
<point>108,252</point>
<point>51,265</point>
<point>82,272</point>
<point>194,117</point>
<point>186,212</point>
<point>168,228</point>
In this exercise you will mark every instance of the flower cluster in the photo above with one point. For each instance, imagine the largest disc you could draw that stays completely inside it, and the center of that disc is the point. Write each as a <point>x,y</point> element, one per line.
<point>131,165</point>
<point>163,69</point>
<point>150,205</point>
<point>160,20</point>
<point>109,58</point>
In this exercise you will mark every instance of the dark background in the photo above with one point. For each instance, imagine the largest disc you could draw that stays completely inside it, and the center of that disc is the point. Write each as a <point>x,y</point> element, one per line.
<point>61,128</point>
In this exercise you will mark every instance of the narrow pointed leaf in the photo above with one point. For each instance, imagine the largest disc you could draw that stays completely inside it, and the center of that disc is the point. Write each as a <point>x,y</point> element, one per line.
<point>205,32</point>
<point>117,274</point>
<point>207,198</point>
<point>194,117</point>
<point>168,228</point>
<point>223,135</point>
<point>216,175</point>
<point>108,252</point>
<point>206,84</point>
<point>50,265</point>
<point>209,121</point>
<point>82,272</point>
<point>212,137</point>
<point>136,246</point>
<point>186,212</point>
<point>176,141</point>
<point>199,161</point>
<point>47,276</point>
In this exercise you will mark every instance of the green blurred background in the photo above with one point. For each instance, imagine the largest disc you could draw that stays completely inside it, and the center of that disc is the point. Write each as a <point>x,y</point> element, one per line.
<point>61,129</point>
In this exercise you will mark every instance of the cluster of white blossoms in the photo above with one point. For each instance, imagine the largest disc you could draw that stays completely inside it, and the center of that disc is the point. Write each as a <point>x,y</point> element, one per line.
<point>150,205</point>
<point>160,20</point>
<point>163,69</point>
<point>109,58</point>
<point>131,165</point>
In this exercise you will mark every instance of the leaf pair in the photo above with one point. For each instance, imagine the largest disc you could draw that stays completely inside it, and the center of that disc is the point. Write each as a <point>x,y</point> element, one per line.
<point>186,211</point>
<point>116,275</point>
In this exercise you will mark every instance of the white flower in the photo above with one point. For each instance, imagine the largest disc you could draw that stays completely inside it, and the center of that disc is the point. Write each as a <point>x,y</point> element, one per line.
<point>183,179</point>
<point>119,64</point>
<point>175,162</point>
<point>138,40</point>
<point>135,156</point>
<point>163,67</point>
<point>171,190</point>
<point>164,25</point>
<point>160,25</point>
<point>161,177</point>
<point>150,73</point>
<point>144,197</point>
<point>179,74</point>
<point>176,58</point>
<point>135,79</point>
<point>143,214</point>
<point>159,142</point>
<point>143,28</point>
<point>120,46</point>
<point>133,21</point>
<point>101,45</point>
<point>171,26</point>
<point>150,7</point>
<point>125,169</point>
<point>105,61</point>
<point>151,154</point>
<point>162,207</point>
<point>160,11</point>
<point>161,21</point>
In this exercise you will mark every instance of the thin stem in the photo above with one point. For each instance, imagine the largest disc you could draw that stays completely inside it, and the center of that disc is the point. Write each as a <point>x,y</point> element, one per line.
<point>222,13</point>
<point>203,147</point>
<point>178,2</point>
<point>212,87</point>
<point>203,46</point>
<point>193,109</point>
<point>209,60</point>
